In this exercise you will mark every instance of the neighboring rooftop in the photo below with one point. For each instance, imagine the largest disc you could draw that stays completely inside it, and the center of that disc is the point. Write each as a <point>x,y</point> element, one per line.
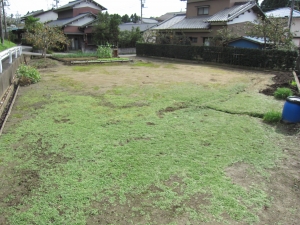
<point>283,12</point>
<point>143,27</point>
<point>70,5</point>
<point>168,15</point>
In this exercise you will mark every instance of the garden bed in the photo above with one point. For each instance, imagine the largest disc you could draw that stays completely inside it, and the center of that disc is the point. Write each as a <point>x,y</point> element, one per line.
<point>282,80</point>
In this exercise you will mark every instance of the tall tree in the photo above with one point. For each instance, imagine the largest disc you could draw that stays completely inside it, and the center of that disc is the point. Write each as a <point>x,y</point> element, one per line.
<point>106,29</point>
<point>134,18</point>
<point>125,19</point>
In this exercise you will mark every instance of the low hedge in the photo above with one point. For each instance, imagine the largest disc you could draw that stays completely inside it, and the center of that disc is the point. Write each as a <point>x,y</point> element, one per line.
<point>267,59</point>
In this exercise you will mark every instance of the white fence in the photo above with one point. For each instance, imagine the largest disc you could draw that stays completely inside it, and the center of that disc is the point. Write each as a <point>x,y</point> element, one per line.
<point>16,51</point>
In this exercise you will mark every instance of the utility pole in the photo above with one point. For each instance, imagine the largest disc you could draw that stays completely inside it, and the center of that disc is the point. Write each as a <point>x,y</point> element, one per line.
<point>291,14</point>
<point>56,3</point>
<point>142,6</point>
<point>1,28</point>
<point>4,3</point>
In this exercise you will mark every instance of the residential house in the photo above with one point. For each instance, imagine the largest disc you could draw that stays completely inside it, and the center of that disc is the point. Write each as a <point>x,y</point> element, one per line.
<point>204,17</point>
<point>75,19</point>
<point>295,25</point>
<point>43,16</point>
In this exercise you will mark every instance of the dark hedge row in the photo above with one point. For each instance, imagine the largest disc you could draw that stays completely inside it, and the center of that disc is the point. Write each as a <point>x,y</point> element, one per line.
<point>269,59</point>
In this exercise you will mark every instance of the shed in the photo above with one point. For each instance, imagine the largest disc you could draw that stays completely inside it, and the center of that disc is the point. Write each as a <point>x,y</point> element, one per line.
<point>247,42</point>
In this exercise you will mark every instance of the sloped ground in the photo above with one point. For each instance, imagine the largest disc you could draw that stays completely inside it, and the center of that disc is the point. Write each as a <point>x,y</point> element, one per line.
<point>148,143</point>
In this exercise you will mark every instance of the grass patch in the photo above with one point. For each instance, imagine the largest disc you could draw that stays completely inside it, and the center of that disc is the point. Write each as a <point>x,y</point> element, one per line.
<point>135,152</point>
<point>283,93</point>
<point>146,64</point>
<point>6,45</point>
<point>272,117</point>
<point>43,63</point>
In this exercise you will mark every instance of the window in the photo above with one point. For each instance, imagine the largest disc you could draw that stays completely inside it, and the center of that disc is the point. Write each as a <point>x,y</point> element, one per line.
<point>207,41</point>
<point>193,39</point>
<point>203,10</point>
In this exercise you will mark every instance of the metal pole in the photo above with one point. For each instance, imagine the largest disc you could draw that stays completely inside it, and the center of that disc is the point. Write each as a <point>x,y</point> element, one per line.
<point>1,29</point>
<point>141,11</point>
<point>291,14</point>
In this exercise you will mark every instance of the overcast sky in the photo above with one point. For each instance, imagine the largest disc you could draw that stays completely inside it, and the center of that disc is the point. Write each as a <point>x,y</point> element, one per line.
<point>152,7</point>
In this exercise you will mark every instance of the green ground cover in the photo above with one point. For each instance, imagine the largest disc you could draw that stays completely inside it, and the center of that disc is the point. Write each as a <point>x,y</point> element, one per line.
<point>6,45</point>
<point>162,145</point>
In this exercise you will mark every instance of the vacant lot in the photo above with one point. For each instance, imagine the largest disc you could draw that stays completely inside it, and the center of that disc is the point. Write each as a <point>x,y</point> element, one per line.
<point>148,142</point>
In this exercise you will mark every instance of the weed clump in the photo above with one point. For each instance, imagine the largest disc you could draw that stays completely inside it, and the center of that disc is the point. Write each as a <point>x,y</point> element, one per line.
<point>272,117</point>
<point>27,75</point>
<point>283,93</point>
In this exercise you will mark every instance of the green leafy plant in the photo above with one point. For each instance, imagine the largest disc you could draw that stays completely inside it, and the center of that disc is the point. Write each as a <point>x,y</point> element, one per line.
<point>27,75</point>
<point>272,117</point>
<point>283,93</point>
<point>293,83</point>
<point>104,51</point>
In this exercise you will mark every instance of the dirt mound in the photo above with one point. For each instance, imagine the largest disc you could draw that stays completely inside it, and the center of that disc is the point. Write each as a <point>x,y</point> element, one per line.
<point>281,79</point>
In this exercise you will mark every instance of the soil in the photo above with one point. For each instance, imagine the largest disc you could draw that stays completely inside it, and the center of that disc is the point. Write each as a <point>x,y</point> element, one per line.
<point>282,80</point>
<point>283,185</point>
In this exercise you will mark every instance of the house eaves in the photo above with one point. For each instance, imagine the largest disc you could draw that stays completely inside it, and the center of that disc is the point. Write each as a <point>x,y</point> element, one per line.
<point>233,12</point>
<point>71,5</point>
<point>64,22</point>
<point>283,12</point>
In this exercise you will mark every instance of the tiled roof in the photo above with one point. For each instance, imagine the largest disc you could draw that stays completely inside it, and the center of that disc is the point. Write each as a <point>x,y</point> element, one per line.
<point>192,23</point>
<point>169,15</point>
<point>283,12</point>
<point>73,3</point>
<point>143,27</point>
<point>231,13</point>
<point>33,13</point>
<point>170,22</point>
<point>63,22</point>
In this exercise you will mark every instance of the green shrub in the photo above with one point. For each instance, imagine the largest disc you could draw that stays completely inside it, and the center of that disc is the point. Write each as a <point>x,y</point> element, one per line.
<point>27,75</point>
<point>272,117</point>
<point>283,93</point>
<point>104,51</point>
<point>271,59</point>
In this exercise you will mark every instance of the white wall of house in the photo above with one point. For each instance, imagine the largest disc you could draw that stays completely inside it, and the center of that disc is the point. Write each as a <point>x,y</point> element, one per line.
<point>82,21</point>
<point>246,17</point>
<point>87,4</point>
<point>295,28</point>
<point>48,16</point>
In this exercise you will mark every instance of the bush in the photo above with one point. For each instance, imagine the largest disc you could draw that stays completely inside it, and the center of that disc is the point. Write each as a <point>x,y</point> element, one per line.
<point>27,75</point>
<point>283,93</point>
<point>272,117</point>
<point>104,51</point>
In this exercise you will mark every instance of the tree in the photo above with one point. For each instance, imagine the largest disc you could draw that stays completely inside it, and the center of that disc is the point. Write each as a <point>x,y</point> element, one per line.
<point>128,39</point>
<point>134,18</point>
<point>30,23</point>
<point>268,5</point>
<point>224,35</point>
<point>125,19</point>
<point>45,37</point>
<point>273,30</point>
<point>106,29</point>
